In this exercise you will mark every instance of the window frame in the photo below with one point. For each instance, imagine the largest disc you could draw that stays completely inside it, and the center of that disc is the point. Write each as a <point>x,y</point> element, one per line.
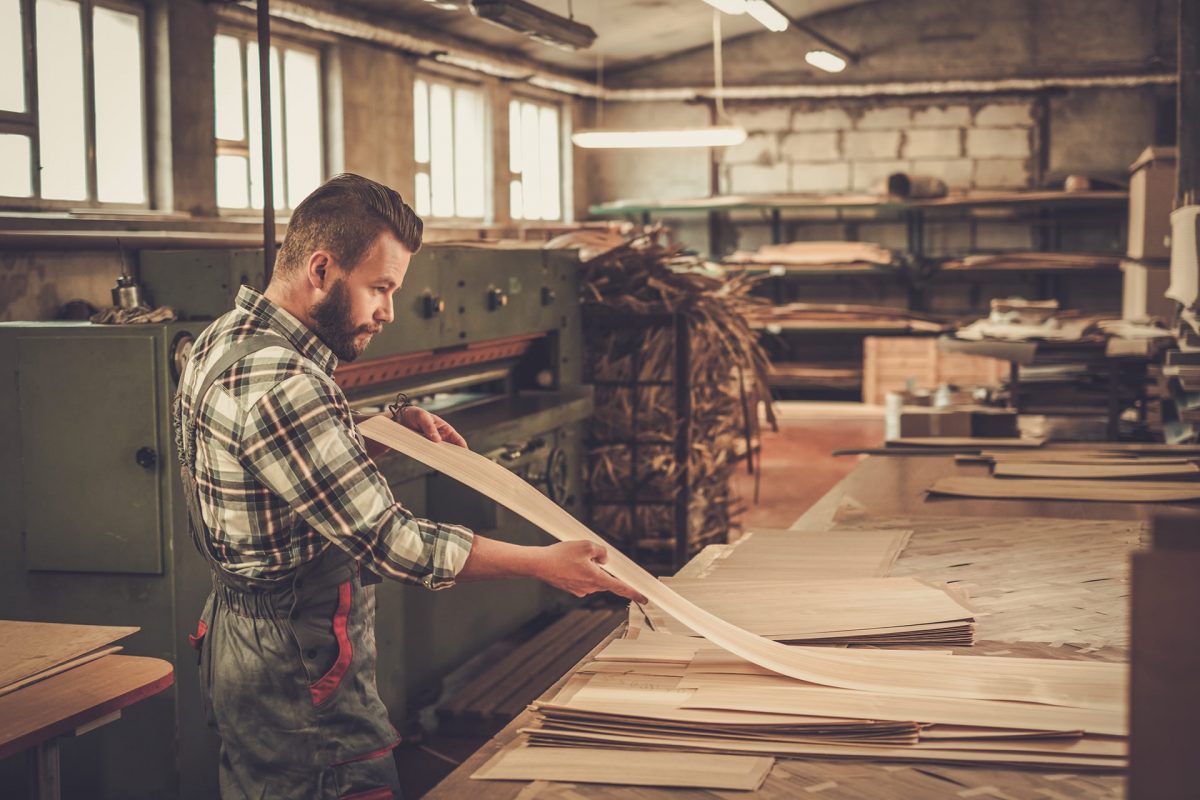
<point>431,77</point>
<point>26,123</point>
<point>245,36</point>
<point>564,139</point>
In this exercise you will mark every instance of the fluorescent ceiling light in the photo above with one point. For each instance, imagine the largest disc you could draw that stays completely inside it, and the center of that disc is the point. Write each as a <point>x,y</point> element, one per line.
<point>767,15</point>
<point>535,22</point>
<point>823,59</point>
<point>734,7</point>
<point>715,136</point>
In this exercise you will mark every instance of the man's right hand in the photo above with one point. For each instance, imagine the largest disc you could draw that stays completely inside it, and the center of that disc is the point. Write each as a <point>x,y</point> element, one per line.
<point>575,567</point>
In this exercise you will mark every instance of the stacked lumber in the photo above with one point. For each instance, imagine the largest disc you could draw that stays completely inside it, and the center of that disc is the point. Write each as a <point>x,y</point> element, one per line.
<point>1035,260</point>
<point>1120,476</point>
<point>816,255</point>
<point>34,651</point>
<point>818,316</point>
<point>502,690</point>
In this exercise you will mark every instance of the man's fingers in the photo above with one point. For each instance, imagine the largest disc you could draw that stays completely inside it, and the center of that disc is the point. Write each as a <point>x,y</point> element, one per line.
<point>429,427</point>
<point>625,590</point>
<point>450,435</point>
<point>599,554</point>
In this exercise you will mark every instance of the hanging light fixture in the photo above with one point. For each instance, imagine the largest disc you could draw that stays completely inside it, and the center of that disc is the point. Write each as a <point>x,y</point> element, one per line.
<point>823,59</point>
<point>764,12</point>
<point>710,136</point>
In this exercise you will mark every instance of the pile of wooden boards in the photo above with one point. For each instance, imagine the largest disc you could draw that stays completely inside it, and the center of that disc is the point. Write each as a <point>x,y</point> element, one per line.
<point>655,691</point>
<point>1108,473</point>
<point>1036,260</point>
<point>34,651</point>
<point>822,255</point>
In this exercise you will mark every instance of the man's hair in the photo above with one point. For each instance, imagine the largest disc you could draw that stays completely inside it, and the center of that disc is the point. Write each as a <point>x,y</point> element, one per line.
<point>345,215</point>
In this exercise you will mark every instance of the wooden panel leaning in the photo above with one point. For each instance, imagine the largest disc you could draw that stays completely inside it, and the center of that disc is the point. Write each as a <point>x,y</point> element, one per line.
<point>1164,661</point>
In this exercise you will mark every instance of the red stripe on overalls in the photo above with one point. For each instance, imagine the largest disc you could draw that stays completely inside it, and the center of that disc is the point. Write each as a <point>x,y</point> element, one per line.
<point>329,682</point>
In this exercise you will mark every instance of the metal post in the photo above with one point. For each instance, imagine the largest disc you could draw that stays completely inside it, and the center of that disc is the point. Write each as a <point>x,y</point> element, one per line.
<point>264,84</point>
<point>1187,182</point>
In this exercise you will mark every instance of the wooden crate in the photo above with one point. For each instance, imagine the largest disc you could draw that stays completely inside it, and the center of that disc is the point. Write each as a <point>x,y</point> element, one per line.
<point>890,362</point>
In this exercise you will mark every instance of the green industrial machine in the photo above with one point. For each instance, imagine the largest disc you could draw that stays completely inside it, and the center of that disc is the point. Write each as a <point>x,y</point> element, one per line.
<point>94,532</point>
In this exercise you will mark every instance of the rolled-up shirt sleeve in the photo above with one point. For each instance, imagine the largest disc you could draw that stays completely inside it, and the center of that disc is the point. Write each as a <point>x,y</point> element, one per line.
<point>295,443</point>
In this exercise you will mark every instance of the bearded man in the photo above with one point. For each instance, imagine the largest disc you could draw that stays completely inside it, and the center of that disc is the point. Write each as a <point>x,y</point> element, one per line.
<point>297,523</point>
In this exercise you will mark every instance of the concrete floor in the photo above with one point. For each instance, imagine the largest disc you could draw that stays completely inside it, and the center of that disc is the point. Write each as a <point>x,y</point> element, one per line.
<point>796,470</point>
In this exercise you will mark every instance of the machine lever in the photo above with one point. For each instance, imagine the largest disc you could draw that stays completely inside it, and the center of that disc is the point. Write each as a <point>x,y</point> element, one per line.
<point>146,457</point>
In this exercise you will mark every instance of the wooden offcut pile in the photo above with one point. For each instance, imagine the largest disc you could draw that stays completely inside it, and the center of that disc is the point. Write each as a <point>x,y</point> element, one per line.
<point>677,370</point>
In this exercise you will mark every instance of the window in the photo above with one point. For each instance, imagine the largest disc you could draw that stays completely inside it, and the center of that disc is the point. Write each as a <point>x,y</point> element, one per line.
<point>534,161</point>
<point>296,122</point>
<point>72,104</point>
<point>450,127</point>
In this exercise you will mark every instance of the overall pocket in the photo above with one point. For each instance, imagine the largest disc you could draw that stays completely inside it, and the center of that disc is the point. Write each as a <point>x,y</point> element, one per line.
<point>322,632</point>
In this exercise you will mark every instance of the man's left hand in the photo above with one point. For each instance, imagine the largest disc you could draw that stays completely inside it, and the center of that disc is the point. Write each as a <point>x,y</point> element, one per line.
<point>431,426</point>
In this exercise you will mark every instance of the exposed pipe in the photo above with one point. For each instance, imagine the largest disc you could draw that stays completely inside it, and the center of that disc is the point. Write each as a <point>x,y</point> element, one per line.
<point>452,51</point>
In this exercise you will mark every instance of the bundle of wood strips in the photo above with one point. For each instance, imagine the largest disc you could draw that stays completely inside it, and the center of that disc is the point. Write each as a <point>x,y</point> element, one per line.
<point>657,324</point>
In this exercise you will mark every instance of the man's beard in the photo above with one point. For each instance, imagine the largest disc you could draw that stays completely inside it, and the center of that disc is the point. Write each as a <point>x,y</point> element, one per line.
<point>334,325</point>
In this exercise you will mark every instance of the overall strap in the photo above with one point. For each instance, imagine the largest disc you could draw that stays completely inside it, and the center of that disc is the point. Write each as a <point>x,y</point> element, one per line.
<point>191,489</point>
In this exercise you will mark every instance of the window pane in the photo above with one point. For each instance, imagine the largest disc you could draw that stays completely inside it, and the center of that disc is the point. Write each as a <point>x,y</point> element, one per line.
<point>303,92</point>
<point>12,57</point>
<point>531,175</point>
<point>421,121</point>
<point>120,144</point>
<point>423,194</point>
<point>60,100</point>
<point>233,182</point>
<point>227,88</point>
<point>256,146</point>
<point>441,150</point>
<point>514,137</point>
<point>16,152</point>
<point>548,148</point>
<point>468,153</point>
<point>514,198</point>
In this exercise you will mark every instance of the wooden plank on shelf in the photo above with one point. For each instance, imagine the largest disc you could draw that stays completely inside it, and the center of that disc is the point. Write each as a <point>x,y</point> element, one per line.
<point>1113,491</point>
<point>1094,471</point>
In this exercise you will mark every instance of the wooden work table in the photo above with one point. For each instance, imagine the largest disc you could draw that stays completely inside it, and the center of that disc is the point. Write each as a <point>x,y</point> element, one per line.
<point>1081,596</point>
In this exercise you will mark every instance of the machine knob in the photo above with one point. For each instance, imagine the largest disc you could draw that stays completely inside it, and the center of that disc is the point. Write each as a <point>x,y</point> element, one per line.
<point>548,296</point>
<point>556,478</point>
<point>146,457</point>
<point>432,305</point>
<point>497,298</point>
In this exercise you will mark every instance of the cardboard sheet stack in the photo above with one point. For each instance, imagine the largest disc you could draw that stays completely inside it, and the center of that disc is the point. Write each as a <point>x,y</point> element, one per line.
<point>34,651</point>
<point>657,689</point>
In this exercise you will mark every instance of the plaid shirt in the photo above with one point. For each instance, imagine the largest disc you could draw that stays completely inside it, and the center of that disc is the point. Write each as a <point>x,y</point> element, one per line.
<point>281,467</point>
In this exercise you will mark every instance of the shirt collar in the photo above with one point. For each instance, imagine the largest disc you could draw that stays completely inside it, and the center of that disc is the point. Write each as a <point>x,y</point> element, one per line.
<point>307,343</point>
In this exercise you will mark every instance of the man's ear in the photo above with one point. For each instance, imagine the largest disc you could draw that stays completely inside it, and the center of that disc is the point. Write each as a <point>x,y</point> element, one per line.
<point>320,264</point>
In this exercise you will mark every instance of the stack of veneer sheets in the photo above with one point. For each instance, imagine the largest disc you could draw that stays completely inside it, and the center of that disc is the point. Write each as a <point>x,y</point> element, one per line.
<point>660,690</point>
<point>1110,473</point>
<point>34,651</point>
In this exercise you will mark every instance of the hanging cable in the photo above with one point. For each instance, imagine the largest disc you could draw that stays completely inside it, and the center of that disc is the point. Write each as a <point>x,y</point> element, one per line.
<point>718,68</point>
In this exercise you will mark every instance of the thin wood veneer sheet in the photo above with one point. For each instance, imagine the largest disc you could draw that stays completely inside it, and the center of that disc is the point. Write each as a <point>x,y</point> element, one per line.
<point>1109,491</point>
<point>826,667</point>
<point>1093,471</point>
<point>33,647</point>
<point>640,768</point>
<point>962,441</point>
<point>810,554</point>
<point>825,609</point>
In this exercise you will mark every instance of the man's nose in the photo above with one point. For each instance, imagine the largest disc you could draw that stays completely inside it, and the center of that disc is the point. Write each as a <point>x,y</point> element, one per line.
<point>385,313</point>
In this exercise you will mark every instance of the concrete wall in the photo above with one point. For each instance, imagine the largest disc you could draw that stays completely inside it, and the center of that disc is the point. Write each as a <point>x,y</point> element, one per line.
<point>981,141</point>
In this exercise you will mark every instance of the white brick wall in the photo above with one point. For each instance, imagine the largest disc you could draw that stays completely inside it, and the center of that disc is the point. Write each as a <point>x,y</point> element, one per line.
<point>758,179</point>
<point>942,117</point>
<point>828,119</point>
<point>871,144</point>
<point>1001,173</point>
<point>998,142</point>
<point>933,143</point>
<point>838,147</point>
<point>816,146</point>
<point>1004,115</point>
<point>759,148</point>
<point>831,177</point>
